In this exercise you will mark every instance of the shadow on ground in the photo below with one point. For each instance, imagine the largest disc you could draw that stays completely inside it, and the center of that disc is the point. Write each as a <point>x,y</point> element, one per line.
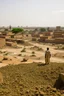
<point>59,84</point>
<point>42,64</point>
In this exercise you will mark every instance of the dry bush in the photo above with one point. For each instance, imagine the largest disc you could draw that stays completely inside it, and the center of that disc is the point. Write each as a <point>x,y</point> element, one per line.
<point>33,53</point>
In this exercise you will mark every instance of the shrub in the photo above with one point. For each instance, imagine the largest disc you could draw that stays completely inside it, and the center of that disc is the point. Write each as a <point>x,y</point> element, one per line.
<point>42,29</point>
<point>33,52</point>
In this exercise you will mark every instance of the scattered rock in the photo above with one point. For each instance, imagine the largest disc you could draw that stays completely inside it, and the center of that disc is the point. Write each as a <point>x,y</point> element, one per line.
<point>1,58</point>
<point>33,55</point>
<point>42,93</point>
<point>19,54</point>
<point>36,88</point>
<point>0,52</point>
<point>1,78</point>
<point>21,93</point>
<point>37,93</point>
<point>0,61</point>
<point>62,91</point>
<point>24,59</point>
<point>53,89</point>
<point>27,91</point>
<point>58,93</point>
<point>5,58</point>
<point>48,86</point>
<point>23,50</point>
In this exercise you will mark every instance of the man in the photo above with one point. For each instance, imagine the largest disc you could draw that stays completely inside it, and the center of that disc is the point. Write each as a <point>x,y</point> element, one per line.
<point>47,56</point>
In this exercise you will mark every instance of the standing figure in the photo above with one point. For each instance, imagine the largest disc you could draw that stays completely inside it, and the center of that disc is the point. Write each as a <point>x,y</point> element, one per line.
<point>47,56</point>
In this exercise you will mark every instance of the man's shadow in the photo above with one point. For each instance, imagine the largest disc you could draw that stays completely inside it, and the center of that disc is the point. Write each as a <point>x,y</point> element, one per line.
<point>42,64</point>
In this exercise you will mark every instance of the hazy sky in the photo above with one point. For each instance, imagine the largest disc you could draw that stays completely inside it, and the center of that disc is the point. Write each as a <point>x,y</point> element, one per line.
<point>31,12</point>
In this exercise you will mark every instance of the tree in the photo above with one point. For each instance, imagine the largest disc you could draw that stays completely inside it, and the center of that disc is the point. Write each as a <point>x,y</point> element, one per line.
<point>17,30</point>
<point>42,29</point>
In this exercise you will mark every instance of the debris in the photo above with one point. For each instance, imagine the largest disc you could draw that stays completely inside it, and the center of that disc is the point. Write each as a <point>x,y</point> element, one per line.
<point>24,59</point>
<point>1,78</point>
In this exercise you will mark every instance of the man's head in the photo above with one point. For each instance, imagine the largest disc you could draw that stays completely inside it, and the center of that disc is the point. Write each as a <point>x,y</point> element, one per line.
<point>47,48</point>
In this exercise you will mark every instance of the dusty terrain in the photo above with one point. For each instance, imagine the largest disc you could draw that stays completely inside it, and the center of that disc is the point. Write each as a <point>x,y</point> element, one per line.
<point>24,72</point>
<point>35,79</point>
<point>34,53</point>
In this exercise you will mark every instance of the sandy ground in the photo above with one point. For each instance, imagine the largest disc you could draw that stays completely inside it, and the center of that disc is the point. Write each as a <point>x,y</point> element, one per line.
<point>31,80</point>
<point>14,58</point>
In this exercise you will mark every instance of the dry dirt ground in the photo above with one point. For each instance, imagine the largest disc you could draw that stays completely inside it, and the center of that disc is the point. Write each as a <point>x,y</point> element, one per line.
<point>31,77</point>
<point>34,53</point>
<point>35,79</point>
